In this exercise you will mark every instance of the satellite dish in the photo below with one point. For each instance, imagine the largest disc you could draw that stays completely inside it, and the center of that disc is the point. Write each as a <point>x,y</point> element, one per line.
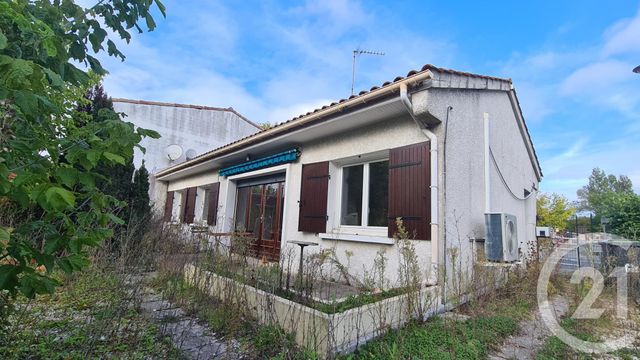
<point>191,154</point>
<point>173,152</point>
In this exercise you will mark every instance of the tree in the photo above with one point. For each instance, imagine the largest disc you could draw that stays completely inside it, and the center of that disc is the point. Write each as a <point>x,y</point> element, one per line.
<point>611,197</point>
<point>595,196</point>
<point>623,213</point>
<point>47,162</point>
<point>123,182</point>
<point>554,211</point>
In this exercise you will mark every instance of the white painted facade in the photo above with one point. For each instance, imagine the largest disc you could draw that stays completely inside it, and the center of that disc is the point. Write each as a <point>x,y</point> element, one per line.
<point>367,133</point>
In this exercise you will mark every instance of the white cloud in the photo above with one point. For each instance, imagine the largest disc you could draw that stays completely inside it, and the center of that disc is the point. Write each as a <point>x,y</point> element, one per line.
<point>304,64</point>
<point>559,88</point>
<point>623,37</point>
<point>338,14</point>
<point>597,77</point>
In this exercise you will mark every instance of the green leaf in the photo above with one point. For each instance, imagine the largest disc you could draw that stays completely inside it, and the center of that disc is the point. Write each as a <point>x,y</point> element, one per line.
<point>115,219</point>
<point>87,179</point>
<point>161,7</point>
<point>151,24</point>
<point>3,41</point>
<point>9,277</point>
<point>50,47</point>
<point>96,66</point>
<point>93,156</point>
<point>73,262</point>
<point>4,234</point>
<point>114,157</point>
<point>54,78</point>
<point>54,243</point>
<point>149,133</point>
<point>27,102</point>
<point>59,198</point>
<point>77,51</point>
<point>32,284</point>
<point>96,38</point>
<point>68,176</point>
<point>112,50</point>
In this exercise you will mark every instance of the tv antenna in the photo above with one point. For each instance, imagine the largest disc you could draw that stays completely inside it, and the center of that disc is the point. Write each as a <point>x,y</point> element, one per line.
<point>356,53</point>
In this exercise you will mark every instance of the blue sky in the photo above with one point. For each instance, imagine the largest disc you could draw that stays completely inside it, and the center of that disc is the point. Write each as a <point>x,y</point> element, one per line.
<point>570,62</point>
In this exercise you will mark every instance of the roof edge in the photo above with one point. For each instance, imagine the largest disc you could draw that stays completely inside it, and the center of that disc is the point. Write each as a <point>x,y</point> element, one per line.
<point>515,103</point>
<point>185,106</point>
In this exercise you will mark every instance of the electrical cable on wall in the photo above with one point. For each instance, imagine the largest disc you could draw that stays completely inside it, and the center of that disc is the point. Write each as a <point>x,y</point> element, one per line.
<point>504,182</point>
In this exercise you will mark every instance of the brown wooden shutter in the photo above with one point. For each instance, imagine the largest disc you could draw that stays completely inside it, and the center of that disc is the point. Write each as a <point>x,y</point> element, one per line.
<point>409,193</point>
<point>212,213</point>
<point>313,197</point>
<point>189,206</point>
<point>168,206</point>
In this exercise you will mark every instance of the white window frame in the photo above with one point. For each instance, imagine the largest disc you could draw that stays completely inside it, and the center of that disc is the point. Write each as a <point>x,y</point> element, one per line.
<point>201,204</point>
<point>377,230</point>
<point>178,204</point>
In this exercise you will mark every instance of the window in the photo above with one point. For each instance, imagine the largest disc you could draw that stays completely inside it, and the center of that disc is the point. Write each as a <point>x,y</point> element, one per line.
<point>177,206</point>
<point>205,204</point>
<point>365,194</point>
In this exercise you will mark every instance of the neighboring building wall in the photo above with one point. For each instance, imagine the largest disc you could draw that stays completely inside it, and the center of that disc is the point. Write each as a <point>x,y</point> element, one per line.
<point>192,127</point>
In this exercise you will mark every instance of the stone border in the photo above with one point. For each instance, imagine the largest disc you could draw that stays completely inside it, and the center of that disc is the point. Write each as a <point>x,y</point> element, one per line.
<point>326,334</point>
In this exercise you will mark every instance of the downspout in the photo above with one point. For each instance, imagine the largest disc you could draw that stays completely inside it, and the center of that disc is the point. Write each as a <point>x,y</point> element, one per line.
<point>433,156</point>
<point>487,165</point>
<point>444,206</point>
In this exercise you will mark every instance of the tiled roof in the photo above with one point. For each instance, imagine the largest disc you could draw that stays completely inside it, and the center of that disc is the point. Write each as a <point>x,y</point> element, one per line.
<point>188,106</point>
<point>275,128</point>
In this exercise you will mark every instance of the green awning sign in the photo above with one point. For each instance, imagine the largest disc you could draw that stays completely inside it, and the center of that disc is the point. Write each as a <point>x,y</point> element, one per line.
<point>265,162</point>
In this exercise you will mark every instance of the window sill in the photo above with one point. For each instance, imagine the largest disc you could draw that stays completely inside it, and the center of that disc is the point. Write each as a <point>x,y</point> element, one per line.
<point>358,238</point>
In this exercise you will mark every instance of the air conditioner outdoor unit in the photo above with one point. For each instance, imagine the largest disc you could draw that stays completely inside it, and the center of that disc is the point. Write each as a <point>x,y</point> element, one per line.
<point>501,237</point>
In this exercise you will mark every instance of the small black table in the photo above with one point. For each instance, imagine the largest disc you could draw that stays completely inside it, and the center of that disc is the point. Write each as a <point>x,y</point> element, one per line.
<point>302,245</point>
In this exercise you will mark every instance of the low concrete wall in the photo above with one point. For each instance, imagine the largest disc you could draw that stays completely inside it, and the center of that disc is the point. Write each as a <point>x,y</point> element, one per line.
<point>327,334</point>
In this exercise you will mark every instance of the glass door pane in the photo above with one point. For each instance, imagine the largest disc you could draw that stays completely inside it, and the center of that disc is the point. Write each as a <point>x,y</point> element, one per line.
<point>242,204</point>
<point>269,215</point>
<point>255,210</point>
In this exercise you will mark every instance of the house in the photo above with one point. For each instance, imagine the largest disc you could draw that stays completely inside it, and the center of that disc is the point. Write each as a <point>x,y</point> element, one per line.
<point>188,129</point>
<point>438,148</point>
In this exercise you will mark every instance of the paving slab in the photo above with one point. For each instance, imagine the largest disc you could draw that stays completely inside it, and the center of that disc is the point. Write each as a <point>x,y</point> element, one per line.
<point>186,333</point>
<point>531,336</point>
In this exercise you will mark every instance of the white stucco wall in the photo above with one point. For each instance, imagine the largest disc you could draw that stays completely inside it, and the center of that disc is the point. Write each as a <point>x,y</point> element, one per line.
<point>464,195</point>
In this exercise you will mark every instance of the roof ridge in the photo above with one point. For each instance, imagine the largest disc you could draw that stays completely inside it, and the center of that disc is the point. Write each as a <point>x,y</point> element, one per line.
<point>186,106</point>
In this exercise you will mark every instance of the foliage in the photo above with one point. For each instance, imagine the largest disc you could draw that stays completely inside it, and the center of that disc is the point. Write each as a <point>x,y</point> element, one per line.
<point>596,195</point>
<point>77,322</point>
<point>624,215</point>
<point>122,181</point>
<point>265,125</point>
<point>47,161</point>
<point>554,211</point>
<point>614,199</point>
<point>440,339</point>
